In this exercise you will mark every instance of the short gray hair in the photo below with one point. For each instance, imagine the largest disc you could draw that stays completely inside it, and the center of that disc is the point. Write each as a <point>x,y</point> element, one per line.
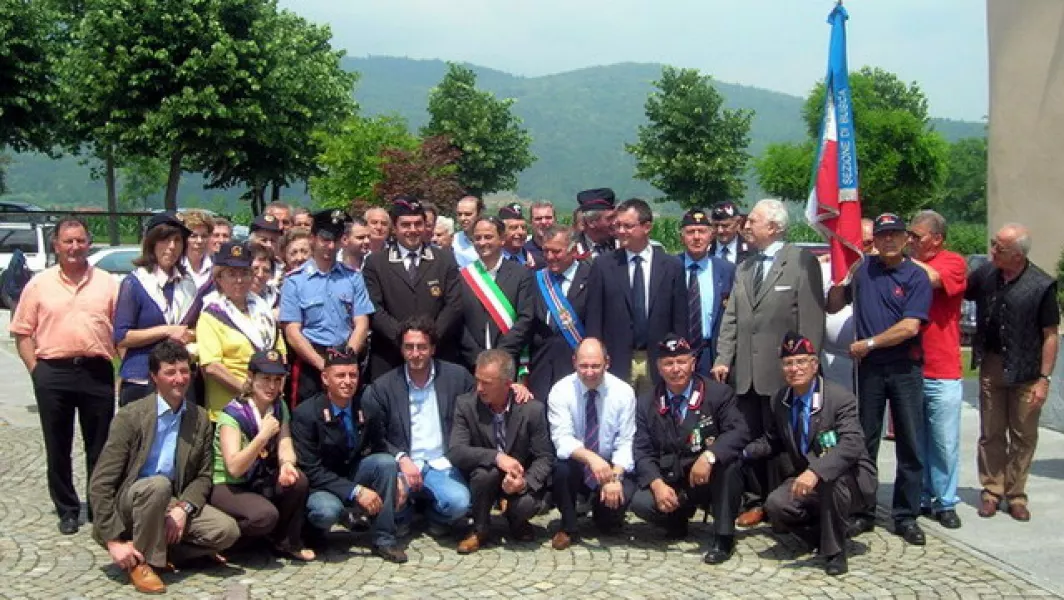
<point>500,358</point>
<point>775,211</point>
<point>935,222</point>
<point>447,223</point>
<point>572,236</point>
<point>1023,237</point>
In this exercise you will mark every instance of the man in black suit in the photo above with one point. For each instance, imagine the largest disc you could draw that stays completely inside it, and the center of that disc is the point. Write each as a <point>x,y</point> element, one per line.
<point>504,450</point>
<point>560,310</point>
<point>709,284</point>
<point>596,215</point>
<point>497,297</point>
<point>814,423</point>
<point>516,236</point>
<point>334,448</point>
<point>728,223</point>
<point>688,438</point>
<point>410,278</point>
<point>411,408</point>
<point>641,285</point>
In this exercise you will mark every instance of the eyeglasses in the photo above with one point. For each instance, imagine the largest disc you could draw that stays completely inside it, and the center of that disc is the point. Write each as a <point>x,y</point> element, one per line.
<point>798,363</point>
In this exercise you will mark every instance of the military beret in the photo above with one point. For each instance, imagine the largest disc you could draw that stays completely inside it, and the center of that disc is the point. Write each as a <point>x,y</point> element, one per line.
<point>695,216</point>
<point>340,355</point>
<point>600,198</point>
<point>266,223</point>
<point>796,344</point>
<point>406,206</point>
<point>674,345</point>
<point>512,210</point>
<point>724,210</point>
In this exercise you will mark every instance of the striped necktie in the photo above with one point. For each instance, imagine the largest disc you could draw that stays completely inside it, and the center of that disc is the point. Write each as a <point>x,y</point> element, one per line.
<point>591,433</point>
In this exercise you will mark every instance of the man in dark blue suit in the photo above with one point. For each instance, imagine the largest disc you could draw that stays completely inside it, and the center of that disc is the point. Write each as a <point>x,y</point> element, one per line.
<point>709,283</point>
<point>636,296</point>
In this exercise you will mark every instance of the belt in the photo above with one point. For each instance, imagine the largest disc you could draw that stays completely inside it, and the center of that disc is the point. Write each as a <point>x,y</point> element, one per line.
<point>73,361</point>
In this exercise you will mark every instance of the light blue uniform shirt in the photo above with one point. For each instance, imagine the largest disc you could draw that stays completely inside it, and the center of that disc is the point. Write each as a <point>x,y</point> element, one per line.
<point>163,456</point>
<point>426,428</point>
<point>325,304</point>
<point>705,290</point>
<point>464,252</point>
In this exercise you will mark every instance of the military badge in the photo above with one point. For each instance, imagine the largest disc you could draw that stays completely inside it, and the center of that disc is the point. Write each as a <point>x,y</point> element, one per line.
<point>436,291</point>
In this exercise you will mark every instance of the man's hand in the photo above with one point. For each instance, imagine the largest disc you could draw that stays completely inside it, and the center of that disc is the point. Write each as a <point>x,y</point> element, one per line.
<point>1039,392</point>
<point>521,393</point>
<point>176,519</point>
<point>402,490</point>
<point>124,554</point>
<point>700,471</point>
<point>720,373</point>
<point>509,465</point>
<point>513,484</point>
<point>180,333</point>
<point>665,498</point>
<point>612,495</point>
<point>804,484</point>
<point>369,500</point>
<point>601,469</point>
<point>288,474</point>
<point>411,472</point>
<point>859,349</point>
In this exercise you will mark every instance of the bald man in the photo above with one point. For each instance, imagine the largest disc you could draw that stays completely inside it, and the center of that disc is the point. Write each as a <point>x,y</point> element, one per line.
<point>592,425</point>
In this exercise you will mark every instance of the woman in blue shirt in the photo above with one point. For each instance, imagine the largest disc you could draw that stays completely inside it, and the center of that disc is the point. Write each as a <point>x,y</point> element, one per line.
<point>158,300</point>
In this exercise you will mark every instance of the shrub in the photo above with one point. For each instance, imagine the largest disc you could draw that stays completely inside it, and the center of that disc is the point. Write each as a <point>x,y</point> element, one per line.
<point>967,238</point>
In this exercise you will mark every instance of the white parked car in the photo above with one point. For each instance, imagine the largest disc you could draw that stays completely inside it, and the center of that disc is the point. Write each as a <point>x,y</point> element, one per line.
<point>34,239</point>
<point>116,260</point>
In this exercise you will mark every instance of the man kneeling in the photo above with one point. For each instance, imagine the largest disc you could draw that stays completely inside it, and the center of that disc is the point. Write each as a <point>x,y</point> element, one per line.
<point>814,421</point>
<point>149,489</point>
<point>333,448</point>
<point>687,442</point>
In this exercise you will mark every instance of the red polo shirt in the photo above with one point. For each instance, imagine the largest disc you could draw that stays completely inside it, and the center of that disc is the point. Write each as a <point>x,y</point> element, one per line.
<point>942,334</point>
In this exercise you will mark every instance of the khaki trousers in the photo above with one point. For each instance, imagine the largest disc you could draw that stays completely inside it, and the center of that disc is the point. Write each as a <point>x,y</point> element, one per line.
<point>143,508</point>
<point>641,381</point>
<point>1008,433</point>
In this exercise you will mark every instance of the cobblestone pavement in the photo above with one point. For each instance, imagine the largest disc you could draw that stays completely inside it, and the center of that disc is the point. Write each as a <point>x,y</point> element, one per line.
<point>37,562</point>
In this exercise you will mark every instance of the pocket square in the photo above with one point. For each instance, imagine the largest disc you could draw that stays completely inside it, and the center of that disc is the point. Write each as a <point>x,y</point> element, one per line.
<point>783,288</point>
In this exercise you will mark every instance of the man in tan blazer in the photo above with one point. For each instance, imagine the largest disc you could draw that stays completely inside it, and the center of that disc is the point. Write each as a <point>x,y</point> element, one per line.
<point>150,486</point>
<point>777,289</point>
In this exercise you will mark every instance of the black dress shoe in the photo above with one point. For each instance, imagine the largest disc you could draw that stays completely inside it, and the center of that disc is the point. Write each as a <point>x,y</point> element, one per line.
<point>949,519</point>
<point>68,525</point>
<point>860,525</point>
<point>911,533</point>
<point>676,530</point>
<point>836,564</point>
<point>720,549</point>
<point>392,553</point>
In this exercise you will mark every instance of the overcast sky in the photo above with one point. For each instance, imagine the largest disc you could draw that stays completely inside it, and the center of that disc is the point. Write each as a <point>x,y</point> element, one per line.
<point>775,44</point>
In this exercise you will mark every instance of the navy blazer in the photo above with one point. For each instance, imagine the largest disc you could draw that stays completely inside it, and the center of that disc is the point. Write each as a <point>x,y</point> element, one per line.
<point>609,307</point>
<point>551,357</point>
<point>324,455</point>
<point>723,279</point>
<point>387,405</point>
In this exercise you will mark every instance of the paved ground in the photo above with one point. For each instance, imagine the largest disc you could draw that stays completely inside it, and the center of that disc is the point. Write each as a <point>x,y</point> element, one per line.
<point>987,559</point>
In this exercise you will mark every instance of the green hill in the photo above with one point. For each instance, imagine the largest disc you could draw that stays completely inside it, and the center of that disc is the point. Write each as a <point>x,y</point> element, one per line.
<point>579,121</point>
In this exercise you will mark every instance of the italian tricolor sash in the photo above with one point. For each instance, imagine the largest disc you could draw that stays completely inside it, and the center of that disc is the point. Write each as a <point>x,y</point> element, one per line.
<point>489,294</point>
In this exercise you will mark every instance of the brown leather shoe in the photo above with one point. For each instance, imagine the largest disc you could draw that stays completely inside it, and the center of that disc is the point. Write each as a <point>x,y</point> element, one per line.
<point>561,541</point>
<point>1020,512</point>
<point>751,517</point>
<point>472,543</point>
<point>145,580</point>
<point>988,507</point>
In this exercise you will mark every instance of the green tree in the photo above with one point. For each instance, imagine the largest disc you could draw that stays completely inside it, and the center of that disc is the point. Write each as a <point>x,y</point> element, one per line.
<point>28,51</point>
<point>140,179</point>
<point>494,145</point>
<point>964,192</point>
<point>901,160</point>
<point>692,149</point>
<point>351,158</point>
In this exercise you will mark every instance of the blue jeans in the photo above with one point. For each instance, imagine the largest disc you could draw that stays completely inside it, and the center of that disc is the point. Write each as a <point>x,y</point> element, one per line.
<point>446,489</point>
<point>942,442</point>
<point>376,472</point>
<point>901,382</point>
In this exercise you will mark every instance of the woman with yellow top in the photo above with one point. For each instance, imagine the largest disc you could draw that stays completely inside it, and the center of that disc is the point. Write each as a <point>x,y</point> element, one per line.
<point>233,325</point>
<point>256,480</point>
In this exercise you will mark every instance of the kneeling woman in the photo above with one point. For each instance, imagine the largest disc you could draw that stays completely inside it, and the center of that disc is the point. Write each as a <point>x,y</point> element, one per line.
<point>255,476</point>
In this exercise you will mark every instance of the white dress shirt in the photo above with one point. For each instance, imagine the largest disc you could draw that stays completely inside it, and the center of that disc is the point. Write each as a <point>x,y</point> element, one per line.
<point>733,251</point>
<point>426,429</point>
<point>567,405</point>
<point>648,255</point>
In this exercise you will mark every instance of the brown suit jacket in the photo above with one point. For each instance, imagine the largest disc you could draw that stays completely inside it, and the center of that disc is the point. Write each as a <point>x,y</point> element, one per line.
<point>128,446</point>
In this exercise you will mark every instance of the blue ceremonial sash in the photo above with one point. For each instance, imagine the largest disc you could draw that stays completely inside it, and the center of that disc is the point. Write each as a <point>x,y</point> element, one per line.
<point>560,310</point>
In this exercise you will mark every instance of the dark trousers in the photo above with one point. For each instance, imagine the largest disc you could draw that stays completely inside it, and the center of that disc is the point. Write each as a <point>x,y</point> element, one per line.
<point>279,518</point>
<point>829,506</point>
<point>706,356</point>
<point>569,484</point>
<point>305,381</point>
<point>63,386</point>
<point>129,391</point>
<point>903,383</point>
<point>759,476</point>
<point>723,496</point>
<point>485,487</point>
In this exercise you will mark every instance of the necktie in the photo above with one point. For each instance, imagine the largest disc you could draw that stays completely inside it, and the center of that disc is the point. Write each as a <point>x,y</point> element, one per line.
<point>411,266</point>
<point>559,278</point>
<point>801,424</point>
<point>759,273</point>
<point>349,427</point>
<point>677,407</point>
<point>498,427</point>
<point>639,305</point>
<point>694,307</point>
<point>724,252</point>
<point>591,434</point>
<point>514,258</point>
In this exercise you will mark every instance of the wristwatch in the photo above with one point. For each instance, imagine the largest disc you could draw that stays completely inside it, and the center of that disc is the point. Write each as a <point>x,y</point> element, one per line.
<point>188,507</point>
<point>712,458</point>
<point>1048,378</point>
<point>871,343</point>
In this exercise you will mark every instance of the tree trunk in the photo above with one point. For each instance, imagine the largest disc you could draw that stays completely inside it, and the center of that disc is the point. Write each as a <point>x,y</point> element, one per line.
<point>172,181</point>
<point>275,193</point>
<point>112,197</point>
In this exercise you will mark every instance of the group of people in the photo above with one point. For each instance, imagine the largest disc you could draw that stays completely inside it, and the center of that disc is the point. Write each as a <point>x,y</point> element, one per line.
<point>383,372</point>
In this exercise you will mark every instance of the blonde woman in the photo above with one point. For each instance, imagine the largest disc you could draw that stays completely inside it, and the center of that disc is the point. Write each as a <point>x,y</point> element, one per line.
<point>256,480</point>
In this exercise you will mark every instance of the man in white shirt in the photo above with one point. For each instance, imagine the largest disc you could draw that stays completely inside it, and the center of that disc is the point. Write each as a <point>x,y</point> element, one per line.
<point>466,212</point>
<point>592,424</point>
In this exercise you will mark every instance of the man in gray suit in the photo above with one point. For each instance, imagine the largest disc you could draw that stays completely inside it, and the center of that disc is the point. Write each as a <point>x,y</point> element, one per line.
<point>778,289</point>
